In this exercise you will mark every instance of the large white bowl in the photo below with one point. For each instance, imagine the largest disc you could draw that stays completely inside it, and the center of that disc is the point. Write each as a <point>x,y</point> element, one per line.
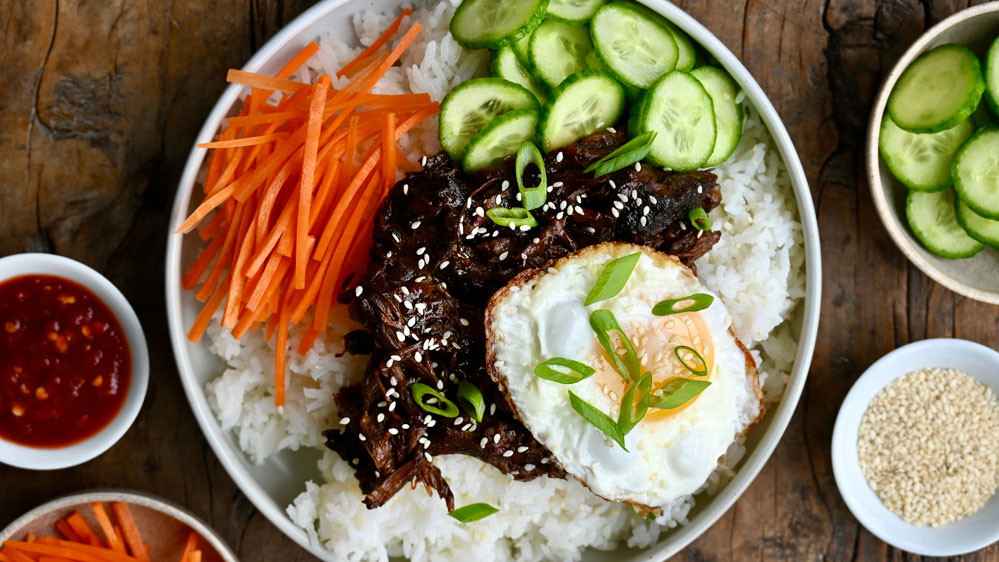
<point>273,485</point>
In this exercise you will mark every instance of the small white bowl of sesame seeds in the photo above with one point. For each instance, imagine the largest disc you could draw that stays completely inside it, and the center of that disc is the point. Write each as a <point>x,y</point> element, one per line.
<point>915,449</point>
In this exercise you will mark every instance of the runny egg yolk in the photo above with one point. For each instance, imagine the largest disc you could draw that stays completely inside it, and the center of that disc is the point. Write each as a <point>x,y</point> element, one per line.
<point>654,342</point>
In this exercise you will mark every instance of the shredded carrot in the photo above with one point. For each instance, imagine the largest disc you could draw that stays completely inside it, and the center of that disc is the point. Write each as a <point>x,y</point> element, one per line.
<point>293,188</point>
<point>195,556</point>
<point>63,527</point>
<point>14,555</point>
<point>132,537</point>
<point>82,529</point>
<point>111,536</point>
<point>189,546</point>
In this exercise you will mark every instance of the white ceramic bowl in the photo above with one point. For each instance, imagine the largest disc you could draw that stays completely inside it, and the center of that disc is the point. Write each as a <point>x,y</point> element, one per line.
<point>63,457</point>
<point>965,535</point>
<point>163,524</point>
<point>273,485</point>
<point>973,277</point>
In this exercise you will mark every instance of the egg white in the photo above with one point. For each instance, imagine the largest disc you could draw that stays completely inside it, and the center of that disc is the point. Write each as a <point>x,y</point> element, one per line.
<point>541,315</point>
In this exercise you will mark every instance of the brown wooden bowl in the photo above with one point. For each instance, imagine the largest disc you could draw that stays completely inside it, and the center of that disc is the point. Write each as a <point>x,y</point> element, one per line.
<point>976,277</point>
<point>164,525</point>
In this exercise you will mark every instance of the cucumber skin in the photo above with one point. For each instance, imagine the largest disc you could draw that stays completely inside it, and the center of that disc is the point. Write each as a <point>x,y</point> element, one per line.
<point>638,117</point>
<point>991,214</point>
<point>549,105</point>
<point>740,112</point>
<point>895,168</point>
<point>961,211</point>
<point>968,108</point>
<point>526,29</point>
<point>656,20</point>
<point>550,15</point>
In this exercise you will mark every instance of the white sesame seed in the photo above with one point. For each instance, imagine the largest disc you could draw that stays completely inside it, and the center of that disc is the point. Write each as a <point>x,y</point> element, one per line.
<point>638,166</point>
<point>423,161</point>
<point>611,130</point>
<point>615,213</point>
<point>415,225</point>
<point>521,449</point>
<point>405,189</point>
<point>358,291</point>
<point>395,237</point>
<point>508,454</point>
<point>444,264</point>
<point>463,322</point>
<point>482,443</point>
<point>400,336</point>
<point>492,409</point>
<point>559,157</point>
<point>344,421</point>
<point>420,250</point>
<point>643,221</point>
<point>579,209</point>
<point>505,185</point>
<point>418,356</point>
<point>496,439</point>
<point>362,437</point>
<point>429,458</point>
<point>405,426</point>
<point>440,385</point>
<point>545,460</point>
<point>393,431</point>
<point>529,467</point>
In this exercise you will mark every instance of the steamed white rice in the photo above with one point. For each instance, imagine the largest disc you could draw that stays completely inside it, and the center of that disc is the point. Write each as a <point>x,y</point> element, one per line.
<point>757,268</point>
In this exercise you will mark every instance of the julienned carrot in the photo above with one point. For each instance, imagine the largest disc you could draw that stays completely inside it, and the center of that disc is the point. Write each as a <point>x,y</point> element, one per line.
<point>128,527</point>
<point>294,183</point>
<point>195,556</point>
<point>63,527</point>
<point>189,546</point>
<point>111,538</point>
<point>82,529</point>
<point>14,555</point>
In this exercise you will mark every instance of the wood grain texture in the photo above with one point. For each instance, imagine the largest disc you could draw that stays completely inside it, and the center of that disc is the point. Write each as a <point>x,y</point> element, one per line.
<point>102,100</point>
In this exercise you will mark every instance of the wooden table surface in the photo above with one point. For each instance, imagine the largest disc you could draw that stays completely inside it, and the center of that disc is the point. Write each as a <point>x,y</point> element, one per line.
<point>101,102</point>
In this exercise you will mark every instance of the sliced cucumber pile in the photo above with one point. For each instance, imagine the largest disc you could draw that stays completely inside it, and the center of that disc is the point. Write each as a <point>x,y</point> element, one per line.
<point>933,220</point>
<point>575,67</point>
<point>928,140</point>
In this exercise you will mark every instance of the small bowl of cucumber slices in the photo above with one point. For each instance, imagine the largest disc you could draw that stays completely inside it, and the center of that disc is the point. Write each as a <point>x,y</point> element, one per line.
<point>933,153</point>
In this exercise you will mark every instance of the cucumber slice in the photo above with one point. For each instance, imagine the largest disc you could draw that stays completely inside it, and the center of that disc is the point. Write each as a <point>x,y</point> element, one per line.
<point>559,49</point>
<point>486,23</point>
<point>574,11</point>
<point>921,161</point>
<point>975,171</point>
<point>583,104</point>
<point>978,227</point>
<point>499,139</point>
<point>506,66</point>
<point>686,49</point>
<point>937,91</point>
<point>932,219</point>
<point>992,76</point>
<point>522,48</point>
<point>474,103</point>
<point>680,110</point>
<point>728,114</point>
<point>633,44</point>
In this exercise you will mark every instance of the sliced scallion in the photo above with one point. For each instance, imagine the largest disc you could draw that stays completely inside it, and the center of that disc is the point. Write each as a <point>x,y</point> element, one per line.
<point>678,392</point>
<point>473,512</point>
<point>700,368</point>
<point>692,303</point>
<point>613,278</point>
<point>516,217</point>
<point>635,403</point>
<point>531,197</point>
<point>699,219</point>
<point>420,391</point>
<point>604,323</point>
<point>598,419</point>
<point>471,397</point>
<point>577,371</point>
<point>625,155</point>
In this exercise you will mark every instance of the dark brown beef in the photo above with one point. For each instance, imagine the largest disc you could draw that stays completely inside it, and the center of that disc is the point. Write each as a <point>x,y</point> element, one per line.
<point>436,261</point>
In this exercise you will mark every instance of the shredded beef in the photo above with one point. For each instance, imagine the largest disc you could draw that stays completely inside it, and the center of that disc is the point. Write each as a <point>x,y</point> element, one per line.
<point>435,262</point>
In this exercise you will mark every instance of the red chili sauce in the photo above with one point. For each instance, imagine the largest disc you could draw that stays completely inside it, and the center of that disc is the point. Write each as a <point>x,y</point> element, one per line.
<point>65,364</point>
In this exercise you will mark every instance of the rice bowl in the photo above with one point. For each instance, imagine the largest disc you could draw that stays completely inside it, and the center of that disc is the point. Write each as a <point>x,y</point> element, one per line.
<point>751,247</point>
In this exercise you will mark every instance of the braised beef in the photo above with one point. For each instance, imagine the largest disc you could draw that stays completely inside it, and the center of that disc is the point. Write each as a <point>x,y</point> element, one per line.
<point>436,261</point>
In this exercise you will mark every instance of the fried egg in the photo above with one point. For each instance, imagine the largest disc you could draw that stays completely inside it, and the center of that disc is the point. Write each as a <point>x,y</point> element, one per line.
<point>541,315</point>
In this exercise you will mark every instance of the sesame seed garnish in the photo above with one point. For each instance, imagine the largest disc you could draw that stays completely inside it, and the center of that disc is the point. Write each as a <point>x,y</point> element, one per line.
<point>344,421</point>
<point>496,439</point>
<point>492,409</point>
<point>559,157</point>
<point>444,264</point>
<point>591,230</point>
<point>482,443</point>
<point>700,189</point>
<point>408,305</point>
<point>524,228</point>
<point>405,189</point>
<point>646,210</point>
<point>405,426</point>
<point>611,130</point>
<point>411,322</point>
<point>400,336</point>
<point>480,211</point>
<point>458,420</point>
<point>643,221</point>
<point>395,236</point>
<point>559,216</point>
<point>653,199</point>
<point>558,184</point>
<point>440,385</point>
<point>505,185</point>
<point>545,460</point>
<point>423,161</point>
<point>508,454</point>
<point>528,467</point>
<point>418,356</point>
<point>638,166</point>
<point>521,449</point>
<point>358,290</point>
<point>362,437</point>
<point>420,250</point>
<point>355,461</point>
<point>612,184</point>
<point>415,225</point>
<point>463,322</point>
<point>615,213</point>
<point>429,458</point>
<point>579,209</point>
<point>393,431</point>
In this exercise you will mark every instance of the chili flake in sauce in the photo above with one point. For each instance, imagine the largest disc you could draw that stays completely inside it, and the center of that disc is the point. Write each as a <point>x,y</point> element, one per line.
<point>65,364</point>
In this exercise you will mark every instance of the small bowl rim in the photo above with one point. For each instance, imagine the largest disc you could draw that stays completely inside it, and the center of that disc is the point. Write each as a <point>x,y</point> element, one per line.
<point>133,497</point>
<point>895,226</point>
<point>851,480</point>
<point>46,458</point>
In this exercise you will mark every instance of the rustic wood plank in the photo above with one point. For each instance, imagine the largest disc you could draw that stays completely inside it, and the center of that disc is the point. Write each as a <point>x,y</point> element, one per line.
<point>103,100</point>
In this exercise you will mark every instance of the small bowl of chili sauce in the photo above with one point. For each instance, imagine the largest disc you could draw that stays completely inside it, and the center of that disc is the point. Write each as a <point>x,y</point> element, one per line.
<point>73,362</point>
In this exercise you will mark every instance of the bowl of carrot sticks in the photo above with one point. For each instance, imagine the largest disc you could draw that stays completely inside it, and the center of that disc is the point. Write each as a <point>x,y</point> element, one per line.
<point>111,526</point>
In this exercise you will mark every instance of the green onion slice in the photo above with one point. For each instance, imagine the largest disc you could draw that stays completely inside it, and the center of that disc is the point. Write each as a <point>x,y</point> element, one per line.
<point>511,217</point>
<point>604,324</point>
<point>692,303</point>
<point>678,392</point>
<point>598,419</point>
<point>626,155</point>
<point>531,197</point>
<point>577,371</point>
<point>635,403</point>
<point>700,368</point>
<point>420,391</point>
<point>613,278</point>
<point>473,512</point>
<point>471,397</point>
<point>699,219</point>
